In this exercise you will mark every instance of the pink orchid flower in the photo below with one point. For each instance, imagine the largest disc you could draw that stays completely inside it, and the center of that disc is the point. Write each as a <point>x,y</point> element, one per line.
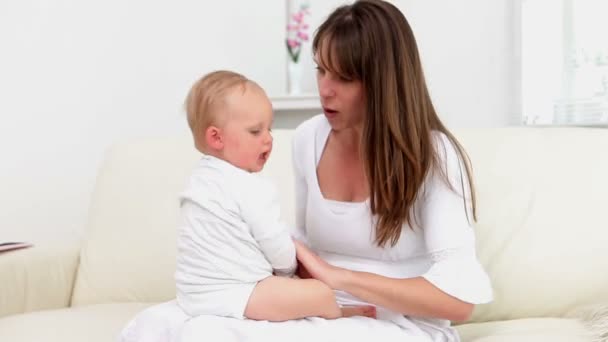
<point>293,43</point>
<point>303,36</point>
<point>297,33</point>
<point>298,17</point>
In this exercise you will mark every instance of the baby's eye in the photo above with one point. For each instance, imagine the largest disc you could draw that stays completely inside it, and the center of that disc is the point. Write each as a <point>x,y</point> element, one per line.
<point>254,131</point>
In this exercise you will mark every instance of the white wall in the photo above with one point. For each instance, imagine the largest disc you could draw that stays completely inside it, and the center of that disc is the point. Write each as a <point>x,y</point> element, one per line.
<point>468,54</point>
<point>78,75</point>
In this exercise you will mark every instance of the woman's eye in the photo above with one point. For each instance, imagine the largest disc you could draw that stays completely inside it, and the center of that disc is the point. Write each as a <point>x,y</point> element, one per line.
<point>320,70</point>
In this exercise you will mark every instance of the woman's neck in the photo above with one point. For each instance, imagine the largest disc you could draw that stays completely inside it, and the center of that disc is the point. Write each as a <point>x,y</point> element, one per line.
<point>348,140</point>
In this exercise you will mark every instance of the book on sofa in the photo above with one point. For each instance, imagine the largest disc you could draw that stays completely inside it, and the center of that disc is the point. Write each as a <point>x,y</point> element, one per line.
<point>11,246</point>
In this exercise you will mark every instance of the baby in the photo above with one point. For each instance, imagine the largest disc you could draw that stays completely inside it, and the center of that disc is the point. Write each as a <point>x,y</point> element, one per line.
<point>234,254</point>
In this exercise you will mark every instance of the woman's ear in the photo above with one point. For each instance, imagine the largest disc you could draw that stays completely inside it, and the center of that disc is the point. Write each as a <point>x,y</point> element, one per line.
<point>213,138</point>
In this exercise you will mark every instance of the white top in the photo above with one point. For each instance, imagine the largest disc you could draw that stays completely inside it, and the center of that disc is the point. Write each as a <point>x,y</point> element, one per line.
<point>342,233</point>
<point>230,236</point>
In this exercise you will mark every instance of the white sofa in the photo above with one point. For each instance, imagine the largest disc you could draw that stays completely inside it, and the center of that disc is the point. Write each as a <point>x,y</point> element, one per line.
<point>542,236</point>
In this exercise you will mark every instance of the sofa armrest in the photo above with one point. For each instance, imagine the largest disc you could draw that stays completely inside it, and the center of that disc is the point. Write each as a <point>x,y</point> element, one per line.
<point>37,278</point>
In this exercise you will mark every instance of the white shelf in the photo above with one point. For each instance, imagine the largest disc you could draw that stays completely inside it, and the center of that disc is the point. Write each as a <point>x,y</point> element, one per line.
<point>296,102</point>
<point>599,124</point>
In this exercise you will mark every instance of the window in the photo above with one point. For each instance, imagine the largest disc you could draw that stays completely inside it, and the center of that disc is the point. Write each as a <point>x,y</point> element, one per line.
<point>564,56</point>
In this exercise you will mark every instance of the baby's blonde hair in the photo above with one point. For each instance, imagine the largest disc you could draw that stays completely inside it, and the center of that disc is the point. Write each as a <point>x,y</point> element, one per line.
<point>205,96</point>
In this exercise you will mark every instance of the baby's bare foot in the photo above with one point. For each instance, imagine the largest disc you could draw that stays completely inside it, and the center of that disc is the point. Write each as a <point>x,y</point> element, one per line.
<point>362,310</point>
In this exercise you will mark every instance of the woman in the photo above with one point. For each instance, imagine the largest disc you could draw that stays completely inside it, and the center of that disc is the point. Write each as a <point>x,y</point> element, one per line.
<point>384,192</point>
<point>384,200</point>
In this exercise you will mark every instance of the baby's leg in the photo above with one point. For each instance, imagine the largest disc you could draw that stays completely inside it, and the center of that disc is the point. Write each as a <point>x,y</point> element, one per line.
<point>281,299</point>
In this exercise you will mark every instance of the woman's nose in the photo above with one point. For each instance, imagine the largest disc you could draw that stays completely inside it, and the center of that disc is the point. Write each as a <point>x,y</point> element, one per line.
<point>326,88</point>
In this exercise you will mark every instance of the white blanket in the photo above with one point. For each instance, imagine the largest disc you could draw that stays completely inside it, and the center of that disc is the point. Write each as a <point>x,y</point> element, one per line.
<point>166,322</point>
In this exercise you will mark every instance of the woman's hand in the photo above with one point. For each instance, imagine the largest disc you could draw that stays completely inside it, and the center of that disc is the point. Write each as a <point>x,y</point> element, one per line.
<point>410,296</point>
<point>311,265</point>
<point>302,272</point>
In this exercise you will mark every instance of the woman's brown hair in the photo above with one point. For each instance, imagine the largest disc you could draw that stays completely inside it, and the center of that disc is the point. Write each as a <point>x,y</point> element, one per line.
<point>371,41</point>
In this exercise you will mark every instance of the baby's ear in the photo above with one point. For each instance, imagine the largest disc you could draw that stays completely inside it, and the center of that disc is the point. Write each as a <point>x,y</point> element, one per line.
<point>213,138</point>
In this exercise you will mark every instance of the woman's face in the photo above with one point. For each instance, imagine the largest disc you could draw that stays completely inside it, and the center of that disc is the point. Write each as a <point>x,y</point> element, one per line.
<point>343,100</point>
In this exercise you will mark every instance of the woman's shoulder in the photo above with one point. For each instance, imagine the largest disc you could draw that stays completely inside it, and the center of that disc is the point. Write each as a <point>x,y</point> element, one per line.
<point>307,131</point>
<point>445,149</point>
<point>305,138</point>
<point>440,140</point>
<point>451,164</point>
<point>308,127</point>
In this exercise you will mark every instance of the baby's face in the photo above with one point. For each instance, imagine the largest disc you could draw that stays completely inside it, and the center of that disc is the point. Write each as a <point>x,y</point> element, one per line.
<point>247,137</point>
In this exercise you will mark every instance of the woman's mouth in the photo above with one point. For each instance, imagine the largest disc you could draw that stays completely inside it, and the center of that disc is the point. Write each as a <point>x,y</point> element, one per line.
<point>330,113</point>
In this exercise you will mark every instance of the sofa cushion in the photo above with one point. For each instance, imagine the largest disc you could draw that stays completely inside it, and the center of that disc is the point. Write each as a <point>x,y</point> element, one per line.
<point>37,278</point>
<point>543,230</point>
<point>130,241</point>
<point>526,330</point>
<point>129,247</point>
<point>87,323</point>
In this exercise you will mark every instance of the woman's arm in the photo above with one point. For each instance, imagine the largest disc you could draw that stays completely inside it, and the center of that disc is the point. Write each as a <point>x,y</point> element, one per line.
<point>412,296</point>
